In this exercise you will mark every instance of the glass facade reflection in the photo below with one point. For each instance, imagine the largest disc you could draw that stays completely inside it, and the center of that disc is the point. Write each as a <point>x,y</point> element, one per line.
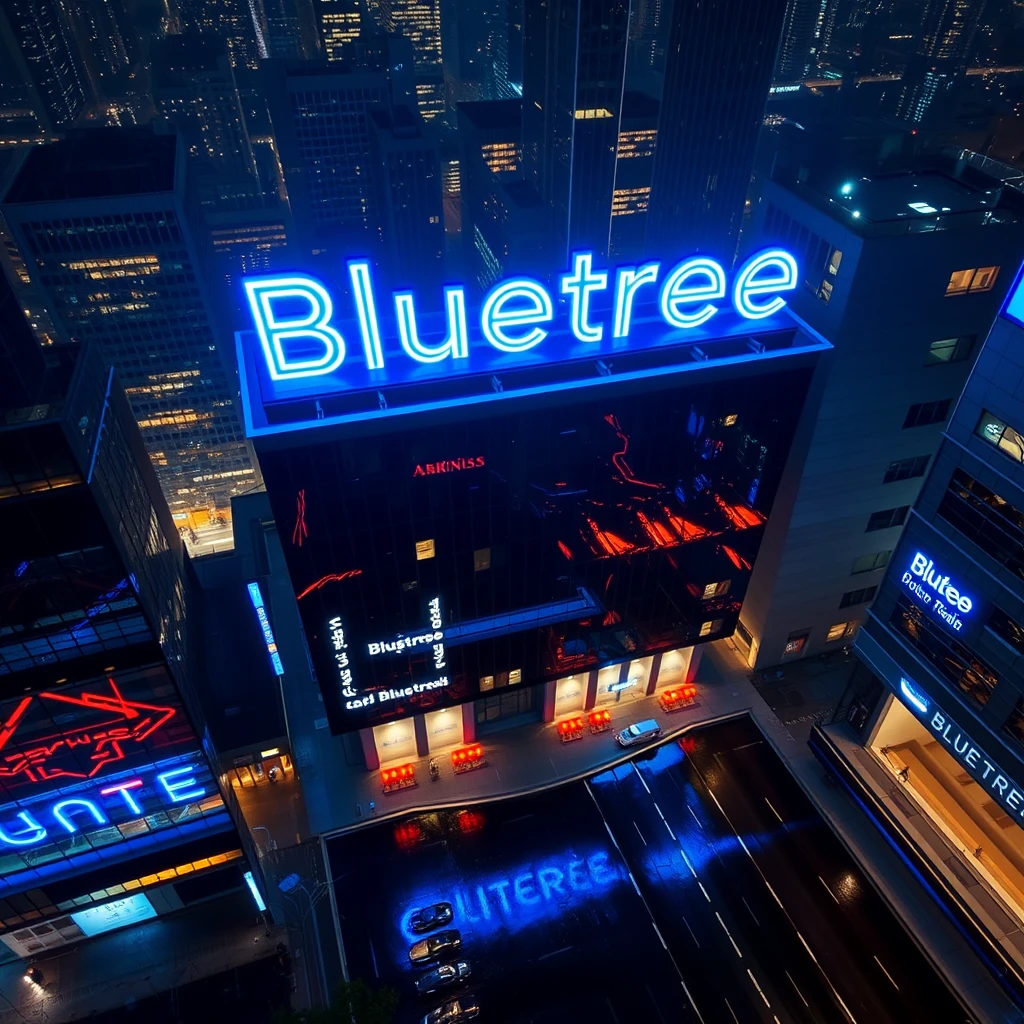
<point>485,550</point>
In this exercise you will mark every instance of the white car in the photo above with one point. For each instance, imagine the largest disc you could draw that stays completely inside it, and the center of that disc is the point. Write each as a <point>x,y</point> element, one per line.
<point>639,732</point>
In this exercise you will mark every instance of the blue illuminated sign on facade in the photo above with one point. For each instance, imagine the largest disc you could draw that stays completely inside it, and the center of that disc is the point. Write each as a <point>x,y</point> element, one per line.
<point>982,768</point>
<point>117,914</point>
<point>936,592</point>
<point>256,596</point>
<point>294,314</point>
<point>1014,306</point>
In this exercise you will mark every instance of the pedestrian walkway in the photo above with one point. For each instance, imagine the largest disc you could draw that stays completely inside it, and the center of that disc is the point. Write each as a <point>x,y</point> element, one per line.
<point>125,967</point>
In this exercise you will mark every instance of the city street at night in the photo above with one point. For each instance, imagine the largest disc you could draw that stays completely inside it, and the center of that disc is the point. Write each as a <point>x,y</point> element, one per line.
<point>707,845</point>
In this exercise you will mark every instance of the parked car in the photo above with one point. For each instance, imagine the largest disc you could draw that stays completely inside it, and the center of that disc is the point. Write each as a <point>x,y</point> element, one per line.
<point>436,946</point>
<point>426,919</point>
<point>454,1011</point>
<point>444,976</point>
<point>639,732</point>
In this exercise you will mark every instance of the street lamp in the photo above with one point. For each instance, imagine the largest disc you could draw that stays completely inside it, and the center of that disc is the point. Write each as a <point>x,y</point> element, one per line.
<point>293,883</point>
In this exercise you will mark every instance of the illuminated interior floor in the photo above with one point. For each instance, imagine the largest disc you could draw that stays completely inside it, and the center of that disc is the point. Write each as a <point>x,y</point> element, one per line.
<point>989,841</point>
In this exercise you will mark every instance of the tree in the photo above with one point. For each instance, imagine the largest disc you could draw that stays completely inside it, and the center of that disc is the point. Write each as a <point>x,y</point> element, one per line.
<point>354,1002</point>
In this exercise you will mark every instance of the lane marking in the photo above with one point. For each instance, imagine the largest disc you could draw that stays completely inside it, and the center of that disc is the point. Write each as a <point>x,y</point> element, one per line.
<point>641,835</point>
<point>747,746</point>
<point>775,812</point>
<point>695,818</point>
<point>641,778</point>
<point>798,992</point>
<point>564,949</point>
<point>657,931</point>
<point>731,939</point>
<point>671,833</point>
<point>828,980</point>
<point>690,930</point>
<point>828,890</point>
<point>887,974</point>
<point>758,987</point>
<point>749,911</point>
<point>732,1011</point>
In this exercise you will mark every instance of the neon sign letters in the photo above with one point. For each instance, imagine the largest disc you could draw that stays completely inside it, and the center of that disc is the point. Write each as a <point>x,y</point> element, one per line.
<point>111,726</point>
<point>78,813</point>
<point>448,466</point>
<point>518,899</point>
<point>981,767</point>
<point>294,314</point>
<point>948,602</point>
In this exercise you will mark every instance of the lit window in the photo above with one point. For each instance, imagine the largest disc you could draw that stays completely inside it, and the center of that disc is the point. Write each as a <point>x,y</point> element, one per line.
<point>424,550</point>
<point>949,350</point>
<point>840,631</point>
<point>593,112</point>
<point>796,642</point>
<point>716,589</point>
<point>486,683</point>
<point>712,626</point>
<point>730,420</point>
<point>481,559</point>
<point>1004,437</point>
<point>975,279</point>
<point>825,291</point>
<point>833,262</point>
<point>515,676</point>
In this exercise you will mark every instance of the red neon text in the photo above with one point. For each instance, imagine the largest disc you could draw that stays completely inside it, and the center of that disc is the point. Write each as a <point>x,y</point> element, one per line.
<point>448,466</point>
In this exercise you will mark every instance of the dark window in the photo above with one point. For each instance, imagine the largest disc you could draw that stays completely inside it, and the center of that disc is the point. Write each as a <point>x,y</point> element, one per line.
<point>1014,725</point>
<point>923,413</point>
<point>950,350</point>
<point>887,517</point>
<point>869,563</point>
<point>1006,628</point>
<point>960,665</point>
<point>862,596</point>
<point>906,469</point>
<point>996,526</point>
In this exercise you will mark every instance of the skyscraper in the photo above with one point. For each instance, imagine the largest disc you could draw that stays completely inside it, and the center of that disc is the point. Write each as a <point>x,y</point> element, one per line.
<point>795,57</point>
<point>235,21</point>
<point>100,220</point>
<point>715,89</point>
<point>36,48</point>
<point>194,90</point>
<point>341,21</point>
<point>574,56</point>
<point>420,22</point>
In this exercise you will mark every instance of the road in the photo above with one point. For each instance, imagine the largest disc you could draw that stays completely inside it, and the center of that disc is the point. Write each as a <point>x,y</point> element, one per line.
<point>762,908</point>
<point>551,924</point>
<point>693,883</point>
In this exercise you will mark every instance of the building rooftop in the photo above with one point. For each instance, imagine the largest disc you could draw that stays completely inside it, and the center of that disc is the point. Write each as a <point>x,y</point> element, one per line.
<point>942,195</point>
<point>94,163</point>
<point>174,56</point>
<point>493,114</point>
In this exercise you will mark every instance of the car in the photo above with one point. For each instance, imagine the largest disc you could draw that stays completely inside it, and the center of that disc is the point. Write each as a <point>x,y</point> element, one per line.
<point>638,732</point>
<point>444,976</point>
<point>426,919</point>
<point>434,947</point>
<point>454,1011</point>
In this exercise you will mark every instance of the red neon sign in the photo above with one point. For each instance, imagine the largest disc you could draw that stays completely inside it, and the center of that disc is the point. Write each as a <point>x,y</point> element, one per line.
<point>105,740</point>
<point>448,466</point>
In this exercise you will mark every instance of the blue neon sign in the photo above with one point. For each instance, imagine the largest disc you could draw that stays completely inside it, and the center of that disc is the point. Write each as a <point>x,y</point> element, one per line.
<point>294,314</point>
<point>256,596</point>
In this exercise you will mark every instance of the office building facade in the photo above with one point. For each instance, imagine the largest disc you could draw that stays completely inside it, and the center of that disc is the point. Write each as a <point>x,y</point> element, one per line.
<point>903,274</point>
<point>110,813</point>
<point>102,221</point>
<point>932,724</point>
<point>515,543</point>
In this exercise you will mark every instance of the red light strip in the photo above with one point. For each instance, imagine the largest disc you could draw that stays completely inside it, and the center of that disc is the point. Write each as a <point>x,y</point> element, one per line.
<point>329,578</point>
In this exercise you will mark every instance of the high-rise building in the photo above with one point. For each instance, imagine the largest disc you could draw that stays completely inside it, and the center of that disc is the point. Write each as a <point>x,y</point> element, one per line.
<point>634,169</point>
<point>407,175</point>
<point>420,22</point>
<point>716,83</point>
<point>795,58</point>
<point>930,733</point>
<point>574,58</point>
<point>102,222</point>
<point>341,22</point>
<point>885,281</point>
<point>110,813</point>
<point>521,536</point>
<point>38,55</point>
<point>194,90</point>
<point>286,29</point>
<point>474,46</point>
<point>235,21</point>
<point>104,38</point>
